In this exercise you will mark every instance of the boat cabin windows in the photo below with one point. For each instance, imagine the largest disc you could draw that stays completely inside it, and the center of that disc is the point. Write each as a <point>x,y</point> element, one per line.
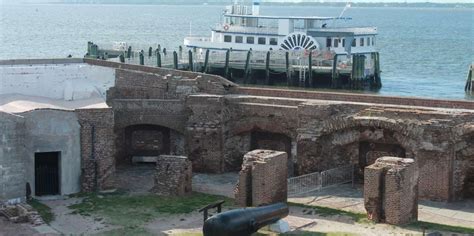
<point>239,39</point>
<point>228,38</point>
<point>373,41</point>
<point>273,41</point>
<point>336,43</point>
<point>250,40</point>
<point>262,40</point>
<point>354,44</point>
<point>368,41</point>
<point>361,42</point>
<point>328,42</point>
<point>344,43</point>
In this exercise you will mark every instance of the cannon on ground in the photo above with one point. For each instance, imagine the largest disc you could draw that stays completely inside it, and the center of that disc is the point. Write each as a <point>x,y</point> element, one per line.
<point>246,221</point>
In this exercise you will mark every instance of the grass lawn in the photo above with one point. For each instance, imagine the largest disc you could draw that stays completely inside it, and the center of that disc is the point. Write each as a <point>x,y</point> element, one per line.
<point>44,211</point>
<point>133,211</point>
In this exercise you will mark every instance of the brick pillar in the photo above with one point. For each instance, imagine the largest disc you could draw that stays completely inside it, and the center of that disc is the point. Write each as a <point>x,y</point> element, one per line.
<point>391,190</point>
<point>173,176</point>
<point>204,132</point>
<point>263,178</point>
<point>97,149</point>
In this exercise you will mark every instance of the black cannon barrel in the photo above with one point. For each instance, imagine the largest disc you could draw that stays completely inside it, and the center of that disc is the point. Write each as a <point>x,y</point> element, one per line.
<point>245,221</point>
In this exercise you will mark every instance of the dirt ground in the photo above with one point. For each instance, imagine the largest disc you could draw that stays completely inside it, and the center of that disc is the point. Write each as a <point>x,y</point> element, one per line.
<point>300,218</point>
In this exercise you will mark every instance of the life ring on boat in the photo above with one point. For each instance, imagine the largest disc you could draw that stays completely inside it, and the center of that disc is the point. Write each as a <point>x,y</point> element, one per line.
<point>226,27</point>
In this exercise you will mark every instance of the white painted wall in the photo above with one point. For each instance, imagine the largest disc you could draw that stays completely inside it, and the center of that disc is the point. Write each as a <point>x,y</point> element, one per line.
<point>74,81</point>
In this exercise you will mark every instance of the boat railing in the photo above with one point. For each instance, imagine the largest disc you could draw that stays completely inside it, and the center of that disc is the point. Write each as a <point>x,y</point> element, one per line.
<point>278,59</point>
<point>198,39</point>
<point>245,29</point>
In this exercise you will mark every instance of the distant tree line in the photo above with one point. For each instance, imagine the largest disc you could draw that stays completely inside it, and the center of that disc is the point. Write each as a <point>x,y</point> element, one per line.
<point>336,3</point>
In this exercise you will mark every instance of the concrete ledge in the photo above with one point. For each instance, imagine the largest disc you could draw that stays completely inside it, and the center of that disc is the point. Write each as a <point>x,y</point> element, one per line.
<point>350,97</point>
<point>144,159</point>
<point>41,61</point>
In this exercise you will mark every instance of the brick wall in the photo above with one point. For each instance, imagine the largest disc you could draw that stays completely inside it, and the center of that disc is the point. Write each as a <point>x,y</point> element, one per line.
<point>204,133</point>
<point>173,176</point>
<point>263,178</point>
<point>97,148</point>
<point>348,97</point>
<point>391,190</point>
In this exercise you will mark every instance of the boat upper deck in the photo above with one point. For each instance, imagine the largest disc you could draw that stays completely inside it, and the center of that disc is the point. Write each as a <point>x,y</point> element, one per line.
<point>321,18</point>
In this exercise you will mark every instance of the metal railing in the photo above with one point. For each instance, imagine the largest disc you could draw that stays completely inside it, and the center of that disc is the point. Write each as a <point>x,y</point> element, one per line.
<point>318,180</point>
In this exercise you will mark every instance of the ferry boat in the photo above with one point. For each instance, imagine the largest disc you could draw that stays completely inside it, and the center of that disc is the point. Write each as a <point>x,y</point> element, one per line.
<point>243,28</point>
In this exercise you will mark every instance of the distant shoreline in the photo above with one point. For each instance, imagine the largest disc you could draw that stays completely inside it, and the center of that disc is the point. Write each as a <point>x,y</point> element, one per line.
<point>221,3</point>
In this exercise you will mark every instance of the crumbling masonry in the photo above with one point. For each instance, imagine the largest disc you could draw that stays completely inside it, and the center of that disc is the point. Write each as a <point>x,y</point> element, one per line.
<point>263,178</point>
<point>212,121</point>
<point>391,190</point>
<point>173,176</point>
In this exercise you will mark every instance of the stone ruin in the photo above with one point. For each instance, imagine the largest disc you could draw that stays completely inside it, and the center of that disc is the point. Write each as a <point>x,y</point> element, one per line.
<point>21,213</point>
<point>173,176</point>
<point>263,178</point>
<point>391,190</point>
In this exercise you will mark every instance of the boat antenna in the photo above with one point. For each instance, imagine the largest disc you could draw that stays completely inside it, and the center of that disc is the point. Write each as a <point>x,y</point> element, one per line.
<point>348,5</point>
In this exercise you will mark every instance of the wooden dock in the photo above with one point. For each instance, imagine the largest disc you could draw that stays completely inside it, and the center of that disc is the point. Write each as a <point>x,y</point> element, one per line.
<point>312,69</point>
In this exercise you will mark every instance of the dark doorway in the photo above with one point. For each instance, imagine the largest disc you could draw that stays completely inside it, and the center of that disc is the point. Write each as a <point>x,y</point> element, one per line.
<point>147,140</point>
<point>47,173</point>
<point>273,141</point>
<point>369,152</point>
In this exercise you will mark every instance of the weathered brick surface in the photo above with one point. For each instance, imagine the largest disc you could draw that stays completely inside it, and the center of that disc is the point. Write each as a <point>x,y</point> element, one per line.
<point>97,149</point>
<point>204,133</point>
<point>319,130</point>
<point>173,176</point>
<point>263,178</point>
<point>391,190</point>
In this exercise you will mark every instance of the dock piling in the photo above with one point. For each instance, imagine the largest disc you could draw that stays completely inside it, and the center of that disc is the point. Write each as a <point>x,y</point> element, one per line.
<point>247,67</point>
<point>378,80</point>
<point>469,88</point>
<point>267,69</point>
<point>206,62</point>
<point>142,58</point>
<point>175,60</point>
<point>334,76</point>
<point>288,73</point>
<point>226,67</point>
<point>310,69</point>
<point>158,58</point>
<point>191,66</point>
<point>129,52</point>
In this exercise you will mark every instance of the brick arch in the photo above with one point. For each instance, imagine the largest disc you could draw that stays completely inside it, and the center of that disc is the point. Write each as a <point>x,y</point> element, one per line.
<point>403,133</point>
<point>245,135</point>
<point>144,139</point>
<point>358,140</point>
<point>248,125</point>
<point>168,122</point>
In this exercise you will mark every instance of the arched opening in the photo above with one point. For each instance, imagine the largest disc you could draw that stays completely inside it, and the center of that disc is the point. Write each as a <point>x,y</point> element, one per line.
<point>464,168</point>
<point>359,146</point>
<point>138,149</point>
<point>238,145</point>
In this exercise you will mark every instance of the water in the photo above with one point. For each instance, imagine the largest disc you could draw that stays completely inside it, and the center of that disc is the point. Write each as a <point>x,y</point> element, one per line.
<point>425,52</point>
